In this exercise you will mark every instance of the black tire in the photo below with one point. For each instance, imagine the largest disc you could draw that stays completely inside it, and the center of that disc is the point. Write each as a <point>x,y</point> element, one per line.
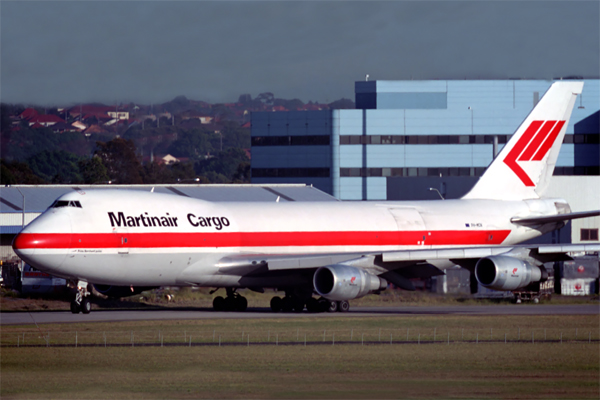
<point>333,306</point>
<point>297,305</point>
<point>276,304</point>
<point>75,309</point>
<point>86,305</point>
<point>286,304</point>
<point>241,303</point>
<point>323,304</point>
<point>230,303</point>
<point>219,303</point>
<point>313,306</point>
<point>343,306</point>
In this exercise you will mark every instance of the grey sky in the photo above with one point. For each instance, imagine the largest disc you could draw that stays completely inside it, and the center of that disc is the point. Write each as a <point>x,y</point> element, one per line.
<point>65,52</point>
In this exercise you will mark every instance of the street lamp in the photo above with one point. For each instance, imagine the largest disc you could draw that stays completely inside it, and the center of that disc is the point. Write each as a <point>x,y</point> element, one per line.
<point>23,210</point>
<point>438,192</point>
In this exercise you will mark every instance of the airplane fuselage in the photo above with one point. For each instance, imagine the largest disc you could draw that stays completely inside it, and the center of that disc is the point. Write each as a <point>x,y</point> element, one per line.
<point>151,239</point>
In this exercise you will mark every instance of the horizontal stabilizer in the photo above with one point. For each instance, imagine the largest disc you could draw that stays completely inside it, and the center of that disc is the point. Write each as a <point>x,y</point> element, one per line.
<point>544,219</point>
<point>568,248</point>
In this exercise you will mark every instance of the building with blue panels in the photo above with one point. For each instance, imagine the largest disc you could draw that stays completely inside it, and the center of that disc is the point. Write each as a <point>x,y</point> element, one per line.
<point>445,133</point>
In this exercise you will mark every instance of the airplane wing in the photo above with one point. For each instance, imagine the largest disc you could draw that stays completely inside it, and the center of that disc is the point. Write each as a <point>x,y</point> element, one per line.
<point>276,262</point>
<point>543,250</point>
<point>398,266</point>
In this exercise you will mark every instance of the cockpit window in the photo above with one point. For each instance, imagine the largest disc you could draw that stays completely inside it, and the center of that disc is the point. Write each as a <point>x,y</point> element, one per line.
<point>65,203</point>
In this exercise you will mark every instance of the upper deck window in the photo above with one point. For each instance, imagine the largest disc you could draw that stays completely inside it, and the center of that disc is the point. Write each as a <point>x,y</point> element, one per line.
<point>65,203</point>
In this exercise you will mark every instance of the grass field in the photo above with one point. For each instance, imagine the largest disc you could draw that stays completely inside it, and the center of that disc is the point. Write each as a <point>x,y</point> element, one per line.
<point>460,369</point>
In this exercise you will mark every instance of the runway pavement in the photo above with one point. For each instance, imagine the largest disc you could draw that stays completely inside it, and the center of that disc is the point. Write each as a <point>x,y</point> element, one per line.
<point>54,317</point>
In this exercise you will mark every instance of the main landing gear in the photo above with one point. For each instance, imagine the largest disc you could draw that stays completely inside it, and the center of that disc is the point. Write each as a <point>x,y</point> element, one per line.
<point>293,303</point>
<point>233,302</point>
<point>81,303</point>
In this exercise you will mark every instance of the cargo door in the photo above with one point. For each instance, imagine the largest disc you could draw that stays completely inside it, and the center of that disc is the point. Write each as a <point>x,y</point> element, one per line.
<point>411,226</point>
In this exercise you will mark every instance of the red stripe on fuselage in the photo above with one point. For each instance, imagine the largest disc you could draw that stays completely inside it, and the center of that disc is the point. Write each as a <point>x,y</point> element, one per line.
<point>256,239</point>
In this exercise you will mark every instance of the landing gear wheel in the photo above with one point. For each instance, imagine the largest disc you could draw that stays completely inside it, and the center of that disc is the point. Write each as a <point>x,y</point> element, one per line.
<point>333,306</point>
<point>343,306</point>
<point>241,304</point>
<point>230,303</point>
<point>312,305</point>
<point>86,306</point>
<point>219,303</point>
<point>286,304</point>
<point>297,305</point>
<point>323,304</point>
<point>276,304</point>
<point>75,307</point>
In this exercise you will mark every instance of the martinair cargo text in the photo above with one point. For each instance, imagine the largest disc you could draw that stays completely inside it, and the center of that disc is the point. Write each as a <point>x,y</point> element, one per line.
<point>126,241</point>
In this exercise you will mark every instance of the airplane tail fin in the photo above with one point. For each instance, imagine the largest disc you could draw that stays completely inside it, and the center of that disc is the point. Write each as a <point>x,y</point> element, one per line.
<point>525,165</point>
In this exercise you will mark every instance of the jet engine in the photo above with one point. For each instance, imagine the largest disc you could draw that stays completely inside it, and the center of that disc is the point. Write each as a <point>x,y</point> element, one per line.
<point>120,291</point>
<point>342,282</point>
<point>507,273</point>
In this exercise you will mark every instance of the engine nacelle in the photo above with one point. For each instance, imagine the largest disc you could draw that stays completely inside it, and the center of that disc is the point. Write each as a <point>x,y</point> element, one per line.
<point>507,273</point>
<point>342,282</point>
<point>120,291</point>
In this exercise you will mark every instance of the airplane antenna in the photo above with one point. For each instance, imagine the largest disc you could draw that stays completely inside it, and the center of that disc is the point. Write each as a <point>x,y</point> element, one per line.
<point>277,201</point>
<point>152,190</point>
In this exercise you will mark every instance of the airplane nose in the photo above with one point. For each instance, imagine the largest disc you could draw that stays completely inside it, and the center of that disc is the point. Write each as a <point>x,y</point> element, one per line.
<point>44,243</point>
<point>24,243</point>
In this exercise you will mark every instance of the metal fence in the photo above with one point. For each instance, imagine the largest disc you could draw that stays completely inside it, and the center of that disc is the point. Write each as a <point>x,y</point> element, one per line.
<point>372,336</point>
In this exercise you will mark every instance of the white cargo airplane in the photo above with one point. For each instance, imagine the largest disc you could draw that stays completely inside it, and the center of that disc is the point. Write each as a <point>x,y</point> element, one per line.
<point>126,241</point>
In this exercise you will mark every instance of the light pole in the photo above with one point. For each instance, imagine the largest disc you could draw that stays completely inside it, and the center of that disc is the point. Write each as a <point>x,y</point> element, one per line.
<point>438,192</point>
<point>471,108</point>
<point>23,210</point>
<point>22,227</point>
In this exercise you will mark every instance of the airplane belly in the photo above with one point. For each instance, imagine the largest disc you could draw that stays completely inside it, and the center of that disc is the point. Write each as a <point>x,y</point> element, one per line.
<point>156,267</point>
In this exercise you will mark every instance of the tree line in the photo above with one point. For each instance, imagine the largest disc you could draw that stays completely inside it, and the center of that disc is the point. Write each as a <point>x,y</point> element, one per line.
<point>40,156</point>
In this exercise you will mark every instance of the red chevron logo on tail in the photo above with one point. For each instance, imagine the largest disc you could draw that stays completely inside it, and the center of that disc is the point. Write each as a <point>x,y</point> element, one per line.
<point>534,144</point>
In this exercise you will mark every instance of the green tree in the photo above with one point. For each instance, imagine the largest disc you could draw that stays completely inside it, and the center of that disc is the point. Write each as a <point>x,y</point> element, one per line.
<point>93,171</point>
<point>223,167</point>
<point>183,171</point>
<point>192,143</point>
<point>57,166</point>
<point>14,173</point>
<point>242,175</point>
<point>122,165</point>
<point>234,136</point>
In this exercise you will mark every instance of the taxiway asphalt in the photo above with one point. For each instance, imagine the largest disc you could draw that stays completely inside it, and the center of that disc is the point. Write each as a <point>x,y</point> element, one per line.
<point>60,317</point>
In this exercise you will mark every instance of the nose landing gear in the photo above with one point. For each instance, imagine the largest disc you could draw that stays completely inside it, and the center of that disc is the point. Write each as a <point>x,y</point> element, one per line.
<point>81,303</point>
